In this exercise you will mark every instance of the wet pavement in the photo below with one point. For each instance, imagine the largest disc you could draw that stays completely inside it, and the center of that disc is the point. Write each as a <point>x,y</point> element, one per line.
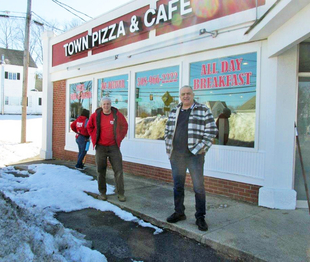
<point>241,230</point>
<point>122,241</point>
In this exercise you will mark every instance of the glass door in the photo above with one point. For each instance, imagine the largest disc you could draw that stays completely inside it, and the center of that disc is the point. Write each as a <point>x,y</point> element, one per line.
<point>303,125</point>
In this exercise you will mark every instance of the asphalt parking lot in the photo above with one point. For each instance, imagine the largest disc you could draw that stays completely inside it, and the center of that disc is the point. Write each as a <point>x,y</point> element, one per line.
<point>120,240</point>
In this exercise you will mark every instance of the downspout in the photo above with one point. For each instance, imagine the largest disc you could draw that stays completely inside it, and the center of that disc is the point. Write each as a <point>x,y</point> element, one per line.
<point>256,15</point>
<point>2,84</point>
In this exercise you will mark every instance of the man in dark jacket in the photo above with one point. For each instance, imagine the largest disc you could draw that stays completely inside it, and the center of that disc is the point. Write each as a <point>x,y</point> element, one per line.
<point>190,130</point>
<point>107,128</point>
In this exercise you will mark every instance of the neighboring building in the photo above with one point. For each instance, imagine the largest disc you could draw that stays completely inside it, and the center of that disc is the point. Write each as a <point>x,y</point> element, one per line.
<point>250,56</point>
<point>11,84</point>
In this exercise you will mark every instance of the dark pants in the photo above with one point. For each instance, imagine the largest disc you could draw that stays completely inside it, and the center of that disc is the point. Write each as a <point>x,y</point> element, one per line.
<point>115,158</point>
<point>179,165</point>
<point>81,141</point>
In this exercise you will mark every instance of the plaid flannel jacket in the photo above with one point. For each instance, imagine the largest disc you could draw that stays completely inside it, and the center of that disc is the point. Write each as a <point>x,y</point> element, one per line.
<point>201,129</point>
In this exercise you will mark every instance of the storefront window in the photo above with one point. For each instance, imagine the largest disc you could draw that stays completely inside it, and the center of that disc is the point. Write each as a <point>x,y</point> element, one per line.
<point>157,92</point>
<point>304,57</point>
<point>116,88</point>
<point>80,98</point>
<point>228,87</point>
<point>303,126</point>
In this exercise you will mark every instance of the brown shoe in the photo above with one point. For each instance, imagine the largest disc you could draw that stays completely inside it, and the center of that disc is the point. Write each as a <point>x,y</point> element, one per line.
<point>103,197</point>
<point>121,198</point>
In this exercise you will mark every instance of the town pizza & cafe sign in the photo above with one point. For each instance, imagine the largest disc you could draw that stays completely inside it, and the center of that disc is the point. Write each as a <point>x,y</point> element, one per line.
<point>133,27</point>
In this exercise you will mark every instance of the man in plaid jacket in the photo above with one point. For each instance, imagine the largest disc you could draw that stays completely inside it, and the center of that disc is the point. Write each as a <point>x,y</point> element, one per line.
<point>189,132</point>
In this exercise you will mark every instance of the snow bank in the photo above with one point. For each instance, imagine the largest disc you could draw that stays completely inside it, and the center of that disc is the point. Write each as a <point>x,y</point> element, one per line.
<point>27,236</point>
<point>28,203</point>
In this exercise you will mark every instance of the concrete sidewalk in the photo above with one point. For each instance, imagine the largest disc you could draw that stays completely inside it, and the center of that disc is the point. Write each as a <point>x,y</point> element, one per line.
<point>242,230</point>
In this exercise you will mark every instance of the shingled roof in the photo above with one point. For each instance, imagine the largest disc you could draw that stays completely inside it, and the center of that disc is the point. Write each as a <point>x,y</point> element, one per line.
<point>15,57</point>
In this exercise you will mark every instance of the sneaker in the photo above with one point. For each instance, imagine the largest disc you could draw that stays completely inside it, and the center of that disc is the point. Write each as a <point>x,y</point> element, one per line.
<point>201,223</point>
<point>121,198</point>
<point>175,217</point>
<point>103,197</point>
<point>79,168</point>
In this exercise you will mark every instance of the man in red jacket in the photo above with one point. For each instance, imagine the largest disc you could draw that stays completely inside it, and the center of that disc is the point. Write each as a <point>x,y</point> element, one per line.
<point>107,128</point>
<point>82,137</point>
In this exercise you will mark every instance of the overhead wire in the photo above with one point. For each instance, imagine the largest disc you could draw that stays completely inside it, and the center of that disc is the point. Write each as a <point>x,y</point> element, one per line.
<point>47,24</point>
<point>11,16</point>
<point>65,6</point>
<point>75,9</point>
<point>6,15</point>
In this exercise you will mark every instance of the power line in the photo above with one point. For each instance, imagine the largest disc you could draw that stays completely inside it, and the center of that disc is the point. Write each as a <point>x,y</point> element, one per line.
<point>47,24</point>
<point>65,6</point>
<point>44,23</point>
<point>12,16</point>
<point>8,12</point>
<point>74,9</point>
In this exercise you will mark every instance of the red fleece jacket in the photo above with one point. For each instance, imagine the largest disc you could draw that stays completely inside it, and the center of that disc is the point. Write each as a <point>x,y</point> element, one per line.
<point>121,126</point>
<point>79,126</point>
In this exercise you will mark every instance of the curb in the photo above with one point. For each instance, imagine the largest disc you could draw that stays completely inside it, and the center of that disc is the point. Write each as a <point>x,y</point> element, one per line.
<point>224,249</point>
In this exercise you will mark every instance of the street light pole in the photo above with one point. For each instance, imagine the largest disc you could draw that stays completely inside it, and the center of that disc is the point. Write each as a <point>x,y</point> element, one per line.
<point>25,73</point>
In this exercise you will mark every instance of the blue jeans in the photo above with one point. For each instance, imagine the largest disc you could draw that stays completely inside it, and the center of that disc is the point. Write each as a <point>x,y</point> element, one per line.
<point>81,141</point>
<point>179,165</point>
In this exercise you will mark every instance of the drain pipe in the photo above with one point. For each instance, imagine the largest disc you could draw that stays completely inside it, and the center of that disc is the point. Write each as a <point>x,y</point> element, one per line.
<point>256,10</point>
<point>2,84</point>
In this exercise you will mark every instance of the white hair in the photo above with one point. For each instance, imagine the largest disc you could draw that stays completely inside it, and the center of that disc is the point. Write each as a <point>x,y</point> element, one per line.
<point>186,86</point>
<point>105,98</point>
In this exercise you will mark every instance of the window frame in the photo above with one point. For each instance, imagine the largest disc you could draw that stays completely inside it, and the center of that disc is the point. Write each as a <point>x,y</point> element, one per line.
<point>147,67</point>
<point>234,101</point>
<point>149,86</point>
<point>114,73</point>
<point>226,52</point>
<point>110,76</point>
<point>11,75</point>
<point>70,143</point>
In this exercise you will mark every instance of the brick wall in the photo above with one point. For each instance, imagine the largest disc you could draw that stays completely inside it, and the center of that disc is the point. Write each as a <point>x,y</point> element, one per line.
<point>235,190</point>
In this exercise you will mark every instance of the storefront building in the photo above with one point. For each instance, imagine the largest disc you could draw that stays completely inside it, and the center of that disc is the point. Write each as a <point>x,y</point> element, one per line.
<point>247,60</point>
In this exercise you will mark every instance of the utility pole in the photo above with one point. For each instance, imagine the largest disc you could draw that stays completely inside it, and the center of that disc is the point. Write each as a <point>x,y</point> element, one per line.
<point>25,73</point>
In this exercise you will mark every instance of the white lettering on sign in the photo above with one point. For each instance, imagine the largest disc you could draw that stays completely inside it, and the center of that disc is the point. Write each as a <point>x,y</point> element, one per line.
<point>104,33</point>
<point>161,14</point>
<point>149,15</point>
<point>78,45</point>
<point>112,32</point>
<point>172,8</point>
<point>121,29</point>
<point>185,8</point>
<point>165,13</point>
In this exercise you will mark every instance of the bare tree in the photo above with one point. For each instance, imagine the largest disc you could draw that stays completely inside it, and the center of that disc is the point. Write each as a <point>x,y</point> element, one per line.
<point>9,33</point>
<point>12,33</point>
<point>74,23</point>
<point>36,46</point>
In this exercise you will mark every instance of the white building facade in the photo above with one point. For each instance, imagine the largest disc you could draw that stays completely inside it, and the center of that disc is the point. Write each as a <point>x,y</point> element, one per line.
<point>11,84</point>
<point>249,57</point>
